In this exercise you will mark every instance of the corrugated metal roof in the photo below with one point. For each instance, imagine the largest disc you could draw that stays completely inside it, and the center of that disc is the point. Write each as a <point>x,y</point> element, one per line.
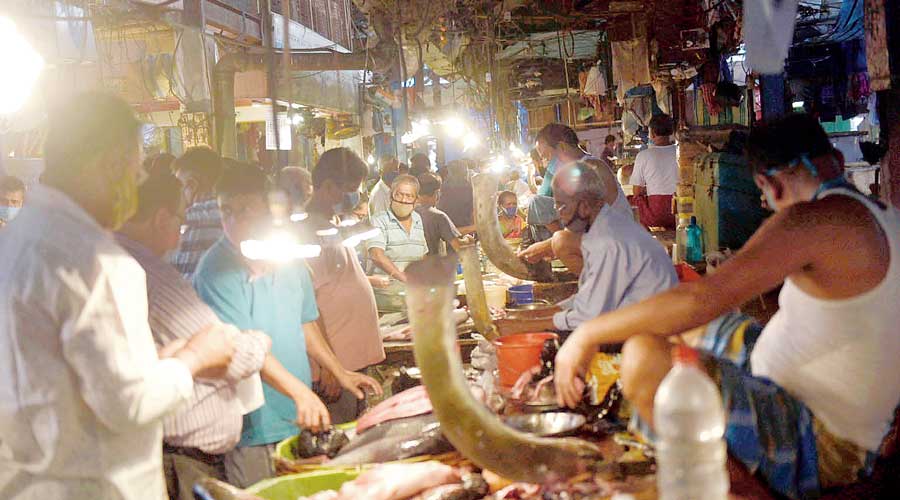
<point>580,44</point>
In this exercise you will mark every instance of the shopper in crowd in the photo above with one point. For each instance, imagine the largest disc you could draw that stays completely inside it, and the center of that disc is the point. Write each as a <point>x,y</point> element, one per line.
<point>439,229</point>
<point>198,169</point>
<point>457,200</point>
<point>12,197</point>
<point>297,183</point>
<point>655,176</point>
<point>542,216</point>
<point>610,151</point>
<point>511,223</point>
<point>797,415</point>
<point>419,164</point>
<point>401,239</point>
<point>623,264</point>
<point>521,188</point>
<point>278,300</point>
<point>380,197</point>
<point>84,388</point>
<point>340,283</point>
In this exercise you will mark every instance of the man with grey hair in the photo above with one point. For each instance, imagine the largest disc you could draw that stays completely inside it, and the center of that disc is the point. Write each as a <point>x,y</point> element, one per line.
<point>402,236</point>
<point>297,183</point>
<point>623,264</point>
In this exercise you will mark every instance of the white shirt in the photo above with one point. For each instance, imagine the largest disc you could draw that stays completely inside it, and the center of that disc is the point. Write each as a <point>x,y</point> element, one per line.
<point>380,199</point>
<point>82,392</point>
<point>623,264</point>
<point>840,356</point>
<point>656,168</point>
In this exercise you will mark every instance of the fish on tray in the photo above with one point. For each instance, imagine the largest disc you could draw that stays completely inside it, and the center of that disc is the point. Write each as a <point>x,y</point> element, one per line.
<point>393,482</point>
<point>408,403</point>
<point>395,440</point>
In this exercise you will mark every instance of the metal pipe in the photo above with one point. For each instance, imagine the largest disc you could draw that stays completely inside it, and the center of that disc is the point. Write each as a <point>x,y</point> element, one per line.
<point>475,297</point>
<point>472,429</point>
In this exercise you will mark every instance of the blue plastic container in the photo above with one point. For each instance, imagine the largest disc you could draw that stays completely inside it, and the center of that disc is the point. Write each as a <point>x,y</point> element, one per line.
<point>521,294</point>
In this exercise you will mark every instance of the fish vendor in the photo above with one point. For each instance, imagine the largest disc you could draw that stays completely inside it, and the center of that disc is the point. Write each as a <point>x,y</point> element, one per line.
<point>810,397</point>
<point>623,264</point>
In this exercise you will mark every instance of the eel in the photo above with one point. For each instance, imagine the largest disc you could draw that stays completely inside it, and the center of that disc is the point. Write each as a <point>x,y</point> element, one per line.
<point>469,426</point>
<point>484,187</point>
<point>475,298</point>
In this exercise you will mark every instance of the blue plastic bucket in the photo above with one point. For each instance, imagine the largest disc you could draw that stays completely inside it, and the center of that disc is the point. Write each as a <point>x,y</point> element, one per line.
<point>521,294</point>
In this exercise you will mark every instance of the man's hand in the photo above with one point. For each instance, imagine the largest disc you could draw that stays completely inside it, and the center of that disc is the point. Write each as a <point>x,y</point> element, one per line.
<point>572,363</point>
<point>169,350</point>
<point>208,353</point>
<point>357,383</point>
<point>379,281</point>
<point>329,386</point>
<point>537,252</point>
<point>311,412</point>
<point>399,276</point>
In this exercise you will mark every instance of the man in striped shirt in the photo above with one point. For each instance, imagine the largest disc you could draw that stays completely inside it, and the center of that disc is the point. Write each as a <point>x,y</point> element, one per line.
<point>197,437</point>
<point>198,169</point>
<point>402,236</point>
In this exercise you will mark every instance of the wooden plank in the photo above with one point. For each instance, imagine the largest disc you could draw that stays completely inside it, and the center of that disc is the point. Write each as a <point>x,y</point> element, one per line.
<point>877,53</point>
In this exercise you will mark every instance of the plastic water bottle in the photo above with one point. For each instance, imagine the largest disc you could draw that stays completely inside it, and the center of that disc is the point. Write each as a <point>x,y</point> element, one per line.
<point>689,422</point>
<point>694,242</point>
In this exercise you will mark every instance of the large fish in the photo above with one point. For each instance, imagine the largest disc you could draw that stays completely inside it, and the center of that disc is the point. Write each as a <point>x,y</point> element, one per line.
<point>472,429</point>
<point>395,440</point>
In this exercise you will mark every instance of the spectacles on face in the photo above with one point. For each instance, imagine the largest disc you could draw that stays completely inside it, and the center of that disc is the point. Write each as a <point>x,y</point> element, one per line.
<point>406,198</point>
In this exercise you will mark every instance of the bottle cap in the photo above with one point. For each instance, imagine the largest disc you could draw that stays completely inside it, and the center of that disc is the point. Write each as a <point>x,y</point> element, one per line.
<point>694,220</point>
<point>685,355</point>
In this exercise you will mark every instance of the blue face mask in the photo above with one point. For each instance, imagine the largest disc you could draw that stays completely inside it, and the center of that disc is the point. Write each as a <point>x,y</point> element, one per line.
<point>349,202</point>
<point>511,211</point>
<point>8,213</point>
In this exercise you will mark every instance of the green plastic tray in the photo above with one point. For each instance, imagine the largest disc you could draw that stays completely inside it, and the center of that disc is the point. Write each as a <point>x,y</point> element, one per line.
<point>297,485</point>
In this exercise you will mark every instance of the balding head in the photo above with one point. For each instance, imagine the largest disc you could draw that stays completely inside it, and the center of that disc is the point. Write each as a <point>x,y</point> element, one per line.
<point>579,182</point>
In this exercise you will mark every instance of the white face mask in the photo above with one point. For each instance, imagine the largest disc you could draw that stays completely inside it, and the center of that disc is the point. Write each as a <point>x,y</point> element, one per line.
<point>770,199</point>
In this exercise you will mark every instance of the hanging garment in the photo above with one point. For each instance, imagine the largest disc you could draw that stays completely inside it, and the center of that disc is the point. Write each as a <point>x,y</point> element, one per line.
<point>631,65</point>
<point>595,84</point>
<point>768,33</point>
<point>663,97</point>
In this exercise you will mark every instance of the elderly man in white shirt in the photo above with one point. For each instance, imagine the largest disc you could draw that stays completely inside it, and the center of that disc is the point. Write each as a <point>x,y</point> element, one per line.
<point>82,390</point>
<point>623,264</point>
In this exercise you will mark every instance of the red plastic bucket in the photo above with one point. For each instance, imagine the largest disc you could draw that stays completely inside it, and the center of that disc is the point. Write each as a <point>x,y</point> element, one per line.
<point>519,352</point>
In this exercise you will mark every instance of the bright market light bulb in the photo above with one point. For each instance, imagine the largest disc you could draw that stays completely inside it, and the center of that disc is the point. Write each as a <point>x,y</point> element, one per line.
<point>371,159</point>
<point>498,164</point>
<point>454,127</point>
<point>297,119</point>
<point>22,64</point>
<point>470,141</point>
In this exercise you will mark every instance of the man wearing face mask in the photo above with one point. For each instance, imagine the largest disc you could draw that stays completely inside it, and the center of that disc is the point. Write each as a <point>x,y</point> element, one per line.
<point>198,169</point>
<point>340,283</point>
<point>623,264</point>
<point>380,198</point>
<point>809,398</point>
<point>12,196</point>
<point>83,390</point>
<point>402,236</point>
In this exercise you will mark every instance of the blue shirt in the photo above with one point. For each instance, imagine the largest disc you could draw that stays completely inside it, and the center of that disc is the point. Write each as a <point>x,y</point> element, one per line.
<point>400,247</point>
<point>278,304</point>
<point>623,264</point>
<point>546,187</point>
